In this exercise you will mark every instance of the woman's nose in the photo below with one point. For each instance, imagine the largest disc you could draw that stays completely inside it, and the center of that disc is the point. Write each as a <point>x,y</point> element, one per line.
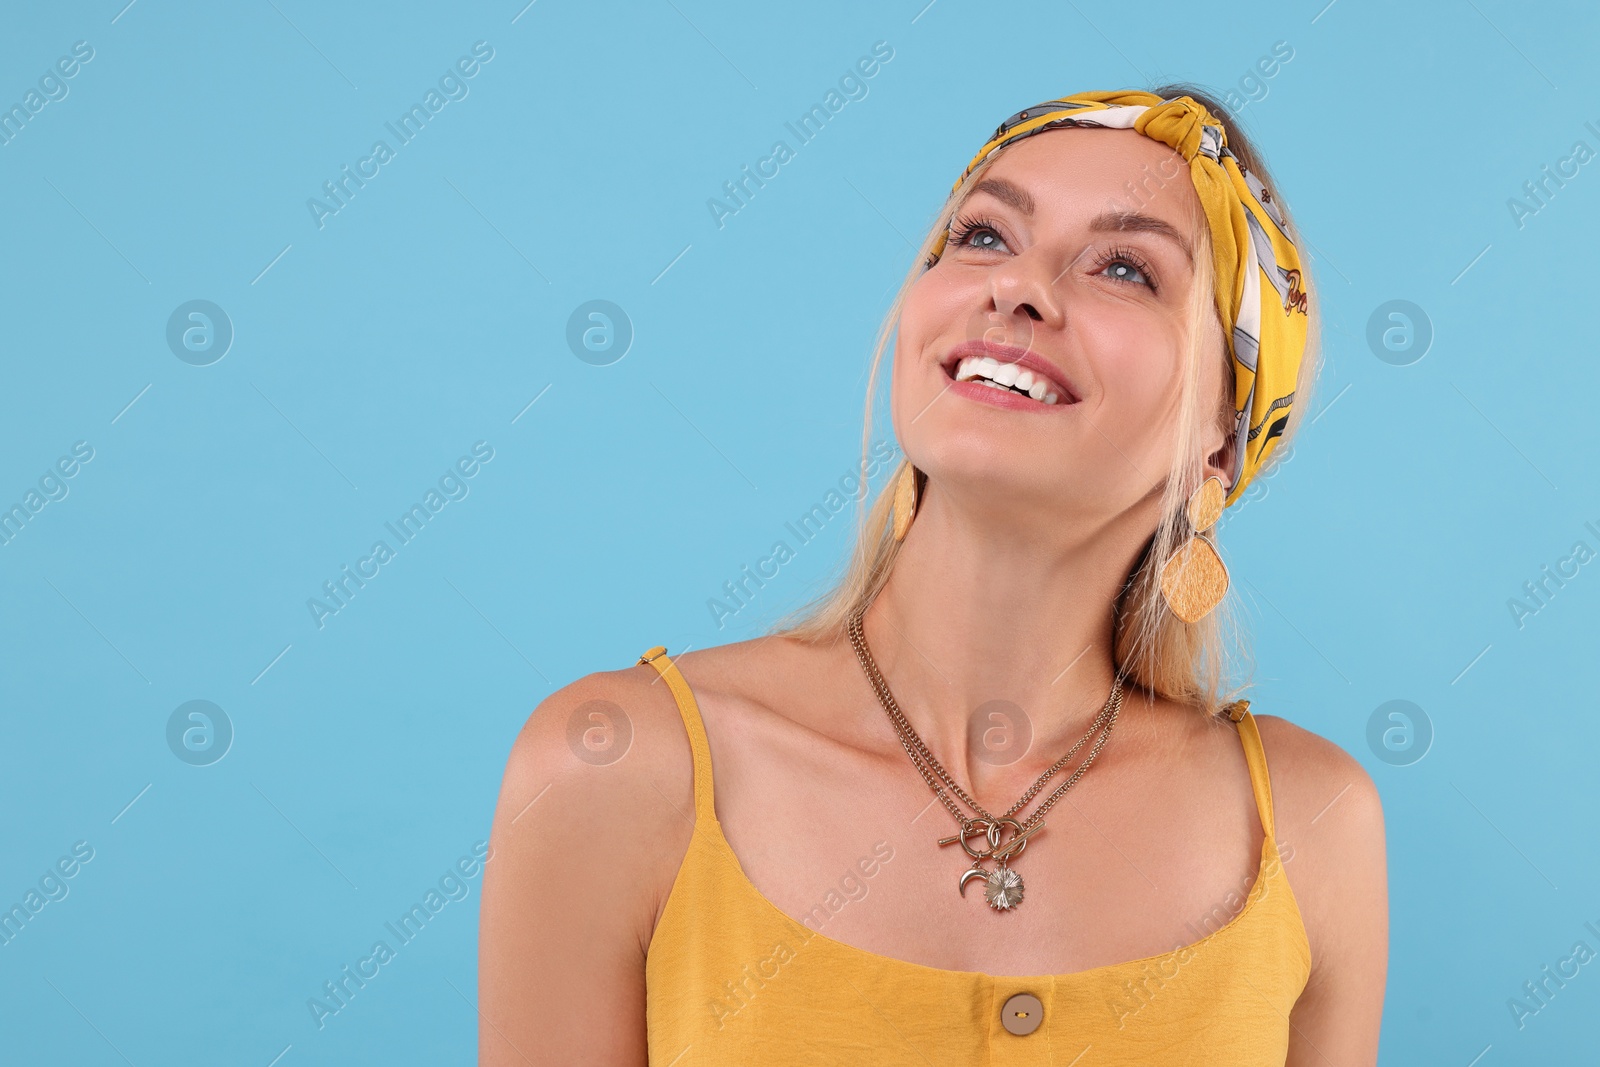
<point>1026,286</point>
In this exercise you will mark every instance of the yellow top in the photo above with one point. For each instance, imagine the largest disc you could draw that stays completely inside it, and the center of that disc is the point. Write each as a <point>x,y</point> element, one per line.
<point>731,979</point>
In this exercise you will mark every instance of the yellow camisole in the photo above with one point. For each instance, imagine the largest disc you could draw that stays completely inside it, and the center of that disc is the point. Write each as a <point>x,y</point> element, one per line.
<point>730,979</point>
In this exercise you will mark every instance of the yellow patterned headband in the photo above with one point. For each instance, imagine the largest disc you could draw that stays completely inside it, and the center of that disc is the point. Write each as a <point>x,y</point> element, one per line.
<point>1265,324</point>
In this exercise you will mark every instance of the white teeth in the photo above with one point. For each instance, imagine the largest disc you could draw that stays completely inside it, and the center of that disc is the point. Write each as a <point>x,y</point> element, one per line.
<point>1007,377</point>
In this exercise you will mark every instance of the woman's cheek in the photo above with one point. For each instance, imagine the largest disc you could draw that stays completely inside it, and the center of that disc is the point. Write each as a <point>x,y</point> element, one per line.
<point>1137,373</point>
<point>916,316</point>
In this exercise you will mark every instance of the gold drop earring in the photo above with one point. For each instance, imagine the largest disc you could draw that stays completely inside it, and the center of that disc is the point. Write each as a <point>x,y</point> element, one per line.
<point>905,500</point>
<point>1194,579</point>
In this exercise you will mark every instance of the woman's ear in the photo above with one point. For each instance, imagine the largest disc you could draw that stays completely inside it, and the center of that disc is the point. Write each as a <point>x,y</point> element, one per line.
<point>1220,461</point>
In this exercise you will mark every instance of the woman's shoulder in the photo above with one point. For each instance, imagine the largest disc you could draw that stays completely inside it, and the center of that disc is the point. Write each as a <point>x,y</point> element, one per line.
<point>594,819</point>
<point>626,726</point>
<point>1317,785</point>
<point>752,664</point>
<point>610,734</point>
<point>1330,831</point>
<point>603,768</point>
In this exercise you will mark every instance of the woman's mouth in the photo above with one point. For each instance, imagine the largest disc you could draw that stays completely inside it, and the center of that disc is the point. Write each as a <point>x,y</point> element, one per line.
<point>986,370</point>
<point>1007,376</point>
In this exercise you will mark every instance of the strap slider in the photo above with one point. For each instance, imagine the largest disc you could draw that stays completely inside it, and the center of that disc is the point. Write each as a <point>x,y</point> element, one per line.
<point>651,654</point>
<point>1235,711</point>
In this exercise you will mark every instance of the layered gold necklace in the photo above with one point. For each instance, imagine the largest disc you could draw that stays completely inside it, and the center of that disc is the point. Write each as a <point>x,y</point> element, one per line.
<point>1002,887</point>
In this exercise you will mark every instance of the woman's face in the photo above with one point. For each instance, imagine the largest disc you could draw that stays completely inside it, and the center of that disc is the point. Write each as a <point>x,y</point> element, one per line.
<point>1074,253</point>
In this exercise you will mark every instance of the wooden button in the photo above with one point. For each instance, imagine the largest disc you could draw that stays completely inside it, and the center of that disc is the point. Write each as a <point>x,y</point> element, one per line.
<point>1022,1014</point>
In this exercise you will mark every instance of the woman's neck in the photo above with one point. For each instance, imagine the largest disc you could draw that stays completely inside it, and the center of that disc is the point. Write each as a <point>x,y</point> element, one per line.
<point>976,612</point>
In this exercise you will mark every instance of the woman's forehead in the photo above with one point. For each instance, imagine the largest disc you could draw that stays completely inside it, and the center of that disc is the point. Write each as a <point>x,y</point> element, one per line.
<point>1123,165</point>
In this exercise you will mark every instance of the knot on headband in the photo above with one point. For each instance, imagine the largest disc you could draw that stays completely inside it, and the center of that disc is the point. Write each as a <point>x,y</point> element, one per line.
<point>1265,324</point>
<point>1185,125</point>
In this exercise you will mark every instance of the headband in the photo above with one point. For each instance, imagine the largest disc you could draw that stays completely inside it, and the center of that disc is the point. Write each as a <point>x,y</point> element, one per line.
<point>1265,324</point>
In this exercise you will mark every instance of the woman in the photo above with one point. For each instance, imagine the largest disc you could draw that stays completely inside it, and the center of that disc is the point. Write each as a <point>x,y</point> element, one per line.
<point>1100,344</point>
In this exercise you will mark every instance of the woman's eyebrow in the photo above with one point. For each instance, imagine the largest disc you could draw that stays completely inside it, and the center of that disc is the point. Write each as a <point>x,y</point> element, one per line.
<point>1106,222</point>
<point>1138,222</point>
<point>1007,192</point>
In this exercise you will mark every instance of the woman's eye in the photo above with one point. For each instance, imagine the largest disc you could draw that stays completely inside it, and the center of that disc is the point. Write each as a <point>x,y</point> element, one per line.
<point>980,237</point>
<point>1124,271</point>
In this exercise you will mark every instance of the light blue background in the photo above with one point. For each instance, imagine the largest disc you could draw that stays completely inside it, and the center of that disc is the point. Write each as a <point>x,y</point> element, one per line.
<point>426,315</point>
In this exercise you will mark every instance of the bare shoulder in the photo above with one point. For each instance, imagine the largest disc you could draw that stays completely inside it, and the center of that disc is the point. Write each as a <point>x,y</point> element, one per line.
<point>599,778</point>
<point>753,666</point>
<point>758,688</point>
<point>1330,830</point>
<point>1318,788</point>
<point>608,753</point>
<point>604,729</point>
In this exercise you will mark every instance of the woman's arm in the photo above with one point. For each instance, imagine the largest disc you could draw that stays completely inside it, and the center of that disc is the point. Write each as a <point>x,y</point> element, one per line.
<point>594,817</point>
<point>1330,815</point>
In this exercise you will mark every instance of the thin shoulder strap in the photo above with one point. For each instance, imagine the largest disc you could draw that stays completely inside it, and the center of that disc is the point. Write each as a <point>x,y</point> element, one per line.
<point>704,810</point>
<point>1256,757</point>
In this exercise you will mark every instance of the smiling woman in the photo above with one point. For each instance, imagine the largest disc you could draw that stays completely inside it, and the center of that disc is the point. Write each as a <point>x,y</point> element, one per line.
<point>1146,255</point>
<point>1106,336</point>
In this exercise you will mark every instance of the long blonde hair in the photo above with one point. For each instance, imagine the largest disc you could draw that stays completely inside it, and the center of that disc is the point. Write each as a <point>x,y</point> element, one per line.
<point>1184,662</point>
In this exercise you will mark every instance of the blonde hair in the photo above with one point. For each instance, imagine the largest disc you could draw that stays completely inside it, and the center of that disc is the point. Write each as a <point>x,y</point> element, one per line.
<point>1184,662</point>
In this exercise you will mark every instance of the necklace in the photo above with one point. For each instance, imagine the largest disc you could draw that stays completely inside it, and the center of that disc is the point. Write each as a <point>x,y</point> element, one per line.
<point>1002,886</point>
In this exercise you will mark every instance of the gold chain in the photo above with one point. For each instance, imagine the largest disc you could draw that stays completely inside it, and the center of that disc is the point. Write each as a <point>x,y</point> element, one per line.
<point>923,759</point>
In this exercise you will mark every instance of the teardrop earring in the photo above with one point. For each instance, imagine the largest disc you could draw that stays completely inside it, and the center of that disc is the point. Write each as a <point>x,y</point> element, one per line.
<point>1194,579</point>
<point>905,500</point>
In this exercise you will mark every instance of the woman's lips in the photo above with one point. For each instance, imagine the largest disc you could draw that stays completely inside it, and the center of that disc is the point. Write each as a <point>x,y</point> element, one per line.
<point>1024,382</point>
<point>1008,364</point>
<point>1005,398</point>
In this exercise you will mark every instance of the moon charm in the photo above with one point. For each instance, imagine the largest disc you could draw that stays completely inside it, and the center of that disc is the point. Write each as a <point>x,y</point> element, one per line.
<point>976,872</point>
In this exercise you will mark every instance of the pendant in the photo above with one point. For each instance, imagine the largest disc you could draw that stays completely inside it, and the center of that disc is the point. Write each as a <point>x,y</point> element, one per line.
<point>1003,889</point>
